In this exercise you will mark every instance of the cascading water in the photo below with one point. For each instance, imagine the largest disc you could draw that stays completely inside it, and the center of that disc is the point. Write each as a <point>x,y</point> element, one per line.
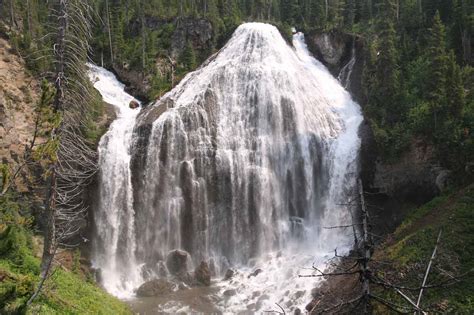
<point>114,245</point>
<point>345,74</point>
<point>243,164</point>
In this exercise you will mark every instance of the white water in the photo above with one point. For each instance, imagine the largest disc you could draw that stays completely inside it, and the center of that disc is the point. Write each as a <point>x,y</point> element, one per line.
<point>345,74</point>
<point>115,191</point>
<point>284,138</point>
<point>280,280</point>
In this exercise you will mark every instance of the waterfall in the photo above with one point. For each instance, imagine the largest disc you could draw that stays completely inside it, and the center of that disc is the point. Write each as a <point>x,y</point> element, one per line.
<point>114,243</point>
<point>243,164</point>
<point>345,74</point>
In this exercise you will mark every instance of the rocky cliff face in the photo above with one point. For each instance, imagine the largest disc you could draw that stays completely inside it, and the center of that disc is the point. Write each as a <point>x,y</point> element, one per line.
<point>398,185</point>
<point>19,94</point>
<point>335,50</point>
<point>197,31</point>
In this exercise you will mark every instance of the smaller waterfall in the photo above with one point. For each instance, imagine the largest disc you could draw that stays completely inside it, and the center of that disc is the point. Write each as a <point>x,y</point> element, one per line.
<point>114,245</point>
<point>345,74</point>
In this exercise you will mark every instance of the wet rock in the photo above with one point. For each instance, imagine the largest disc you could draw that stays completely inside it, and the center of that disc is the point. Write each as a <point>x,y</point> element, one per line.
<point>98,275</point>
<point>202,274</point>
<point>315,293</point>
<point>229,274</point>
<point>155,287</point>
<point>255,273</point>
<point>311,305</point>
<point>252,307</point>
<point>443,180</point>
<point>230,292</point>
<point>133,104</point>
<point>162,270</point>
<point>182,286</point>
<point>177,262</point>
<point>299,294</point>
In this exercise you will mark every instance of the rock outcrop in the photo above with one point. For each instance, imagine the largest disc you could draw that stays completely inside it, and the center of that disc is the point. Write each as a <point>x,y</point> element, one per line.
<point>19,94</point>
<point>177,262</point>
<point>202,274</point>
<point>156,287</point>
<point>198,32</point>
<point>335,49</point>
<point>412,179</point>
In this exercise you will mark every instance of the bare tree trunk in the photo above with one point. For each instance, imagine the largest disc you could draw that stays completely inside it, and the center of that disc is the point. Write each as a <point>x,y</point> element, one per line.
<point>365,269</point>
<point>59,54</point>
<point>433,255</point>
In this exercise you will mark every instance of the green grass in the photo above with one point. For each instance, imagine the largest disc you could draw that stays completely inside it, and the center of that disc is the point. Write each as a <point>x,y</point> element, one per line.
<point>411,246</point>
<point>65,292</point>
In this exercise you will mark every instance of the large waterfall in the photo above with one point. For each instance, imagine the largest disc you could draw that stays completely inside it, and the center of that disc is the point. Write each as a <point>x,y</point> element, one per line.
<point>243,165</point>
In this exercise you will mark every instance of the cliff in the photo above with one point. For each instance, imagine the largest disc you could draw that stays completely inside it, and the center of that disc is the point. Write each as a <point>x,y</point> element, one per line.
<point>176,34</point>
<point>19,94</point>
<point>413,178</point>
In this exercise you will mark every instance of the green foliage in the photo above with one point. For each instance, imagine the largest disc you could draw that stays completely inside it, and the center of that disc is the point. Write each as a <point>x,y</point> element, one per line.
<point>64,293</point>
<point>412,244</point>
<point>93,129</point>
<point>188,58</point>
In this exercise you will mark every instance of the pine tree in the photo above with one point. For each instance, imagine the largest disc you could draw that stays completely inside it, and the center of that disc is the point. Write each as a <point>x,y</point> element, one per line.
<point>188,58</point>
<point>456,99</point>
<point>387,69</point>
<point>438,61</point>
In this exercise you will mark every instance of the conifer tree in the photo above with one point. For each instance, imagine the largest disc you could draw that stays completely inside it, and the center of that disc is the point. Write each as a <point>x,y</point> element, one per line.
<point>438,62</point>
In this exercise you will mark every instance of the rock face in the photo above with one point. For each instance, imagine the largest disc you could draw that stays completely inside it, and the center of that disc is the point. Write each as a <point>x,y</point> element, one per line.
<point>155,287</point>
<point>19,94</point>
<point>202,274</point>
<point>411,180</point>
<point>396,187</point>
<point>335,50</point>
<point>197,31</point>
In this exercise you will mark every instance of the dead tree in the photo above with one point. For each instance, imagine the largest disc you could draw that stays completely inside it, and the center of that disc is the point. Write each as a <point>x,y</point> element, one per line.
<point>73,163</point>
<point>361,263</point>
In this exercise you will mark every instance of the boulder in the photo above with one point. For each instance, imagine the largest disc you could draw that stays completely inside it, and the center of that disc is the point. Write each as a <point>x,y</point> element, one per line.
<point>229,274</point>
<point>177,262</point>
<point>133,104</point>
<point>230,292</point>
<point>155,287</point>
<point>202,274</point>
<point>255,273</point>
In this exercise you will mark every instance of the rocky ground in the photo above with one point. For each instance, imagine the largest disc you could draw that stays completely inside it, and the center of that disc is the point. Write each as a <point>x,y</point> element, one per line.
<point>19,94</point>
